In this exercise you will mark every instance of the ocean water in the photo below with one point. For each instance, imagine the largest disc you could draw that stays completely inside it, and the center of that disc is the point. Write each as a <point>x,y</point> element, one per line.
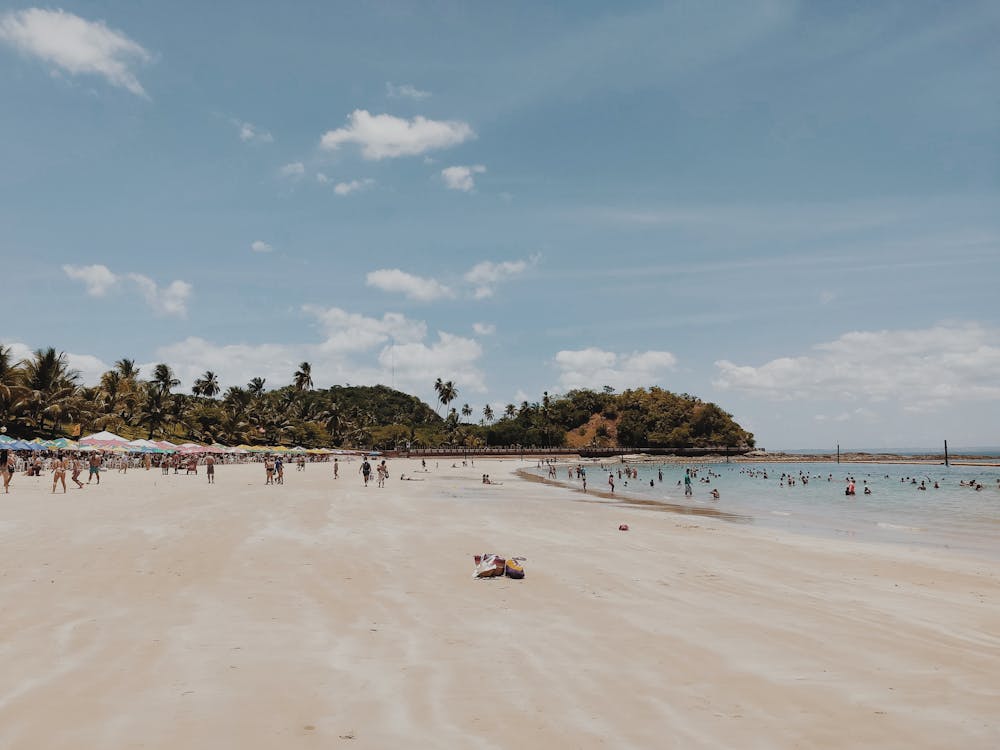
<point>951,517</point>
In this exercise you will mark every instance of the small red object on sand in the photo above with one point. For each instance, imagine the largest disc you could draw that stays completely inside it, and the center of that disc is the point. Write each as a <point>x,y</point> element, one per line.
<point>623,527</point>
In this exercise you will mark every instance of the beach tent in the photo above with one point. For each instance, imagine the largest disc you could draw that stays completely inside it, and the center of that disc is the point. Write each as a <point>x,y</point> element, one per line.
<point>140,444</point>
<point>4,439</point>
<point>20,445</point>
<point>64,444</point>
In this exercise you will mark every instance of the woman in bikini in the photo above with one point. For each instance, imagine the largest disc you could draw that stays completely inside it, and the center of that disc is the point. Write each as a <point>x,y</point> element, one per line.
<point>59,473</point>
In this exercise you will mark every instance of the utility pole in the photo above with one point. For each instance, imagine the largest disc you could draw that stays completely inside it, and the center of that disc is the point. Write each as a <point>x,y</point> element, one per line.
<point>838,453</point>
<point>945,452</point>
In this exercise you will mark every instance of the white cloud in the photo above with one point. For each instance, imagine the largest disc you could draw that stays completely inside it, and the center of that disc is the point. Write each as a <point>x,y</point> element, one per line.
<point>595,368</point>
<point>487,274</point>
<point>346,188</point>
<point>386,136</point>
<point>415,287</point>
<point>250,133</point>
<point>321,178</point>
<point>405,91</point>
<point>293,170</point>
<point>90,367</point>
<point>169,300</point>
<point>347,332</point>
<point>920,369</point>
<point>97,278</point>
<point>352,348</point>
<point>461,177</point>
<point>75,45</point>
<point>484,329</point>
<point>450,357</point>
<point>259,246</point>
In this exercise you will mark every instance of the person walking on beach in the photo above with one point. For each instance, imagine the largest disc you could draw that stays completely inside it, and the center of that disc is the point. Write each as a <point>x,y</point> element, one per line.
<point>95,467</point>
<point>336,469</point>
<point>5,469</point>
<point>269,470</point>
<point>210,468</point>
<point>279,471</point>
<point>688,490</point>
<point>59,473</point>
<point>366,471</point>
<point>76,468</point>
<point>611,482</point>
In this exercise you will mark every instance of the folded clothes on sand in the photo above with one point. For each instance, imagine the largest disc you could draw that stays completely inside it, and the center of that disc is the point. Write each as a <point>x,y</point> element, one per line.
<point>494,566</point>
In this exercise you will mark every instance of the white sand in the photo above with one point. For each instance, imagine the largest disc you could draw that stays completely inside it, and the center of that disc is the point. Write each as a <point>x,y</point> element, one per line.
<point>161,612</point>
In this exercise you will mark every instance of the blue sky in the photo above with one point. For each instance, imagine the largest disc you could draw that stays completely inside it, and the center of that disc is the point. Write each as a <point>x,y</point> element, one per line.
<point>788,208</point>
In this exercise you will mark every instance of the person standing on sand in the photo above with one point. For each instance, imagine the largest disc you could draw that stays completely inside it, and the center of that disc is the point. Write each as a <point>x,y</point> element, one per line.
<point>611,482</point>
<point>366,470</point>
<point>59,473</point>
<point>95,467</point>
<point>279,471</point>
<point>269,469</point>
<point>336,469</point>
<point>210,468</point>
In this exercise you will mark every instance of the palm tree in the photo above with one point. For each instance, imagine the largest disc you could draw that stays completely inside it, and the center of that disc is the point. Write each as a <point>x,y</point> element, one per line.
<point>447,393</point>
<point>510,411</point>
<point>466,411</point>
<point>164,378</point>
<point>155,409</point>
<point>303,377</point>
<point>51,385</point>
<point>127,369</point>
<point>206,385</point>
<point>488,414</point>
<point>256,387</point>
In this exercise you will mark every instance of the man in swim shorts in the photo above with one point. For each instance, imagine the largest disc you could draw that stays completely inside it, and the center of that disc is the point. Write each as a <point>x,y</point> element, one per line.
<point>95,467</point>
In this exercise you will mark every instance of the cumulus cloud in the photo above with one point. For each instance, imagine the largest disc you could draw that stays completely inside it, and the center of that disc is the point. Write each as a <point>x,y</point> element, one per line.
<point>487,274</point>
<point>415,287</point>
<point>484,329</point>
<point>293,170</point>
<point>595,368</point>
<point>920,369</point>
<point>351,348</point>
<point>259,246</point>
<point>74,45</point>
<point>346,188</point>
<point>461,177</point>
<point>385,136</point>
<point>405,91</point>
<point>168,300</point>
<point>97,278</point>
<point>250,133</point>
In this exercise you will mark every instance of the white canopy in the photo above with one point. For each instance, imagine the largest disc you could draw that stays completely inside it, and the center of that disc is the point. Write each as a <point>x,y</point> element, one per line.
<point>104,437</point>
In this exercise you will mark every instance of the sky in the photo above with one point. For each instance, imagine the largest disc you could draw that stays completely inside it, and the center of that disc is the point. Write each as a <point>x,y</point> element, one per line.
<point>791,209</point>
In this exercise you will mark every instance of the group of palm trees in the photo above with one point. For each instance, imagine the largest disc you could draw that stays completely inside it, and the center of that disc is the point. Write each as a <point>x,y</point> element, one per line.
<point>42,395</point>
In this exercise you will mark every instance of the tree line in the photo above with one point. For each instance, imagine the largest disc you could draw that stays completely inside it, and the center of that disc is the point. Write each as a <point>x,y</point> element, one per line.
<point>42,395</point>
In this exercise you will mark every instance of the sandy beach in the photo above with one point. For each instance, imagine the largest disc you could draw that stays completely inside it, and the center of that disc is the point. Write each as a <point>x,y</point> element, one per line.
<point>162,612</point>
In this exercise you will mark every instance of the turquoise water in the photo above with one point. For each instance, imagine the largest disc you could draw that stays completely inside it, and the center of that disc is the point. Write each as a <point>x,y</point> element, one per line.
<point>950,517</point>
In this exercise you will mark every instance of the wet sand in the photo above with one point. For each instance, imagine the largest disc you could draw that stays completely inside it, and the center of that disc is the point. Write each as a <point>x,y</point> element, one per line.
<point>161,612</point>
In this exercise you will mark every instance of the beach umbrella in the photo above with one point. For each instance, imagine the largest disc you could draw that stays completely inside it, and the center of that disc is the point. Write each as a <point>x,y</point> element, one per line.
<point>64,443</point>
<point>4,439</point>
<point>103,437</point>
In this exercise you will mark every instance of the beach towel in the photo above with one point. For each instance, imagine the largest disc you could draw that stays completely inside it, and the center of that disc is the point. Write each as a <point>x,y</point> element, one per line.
<point>489,566</point>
